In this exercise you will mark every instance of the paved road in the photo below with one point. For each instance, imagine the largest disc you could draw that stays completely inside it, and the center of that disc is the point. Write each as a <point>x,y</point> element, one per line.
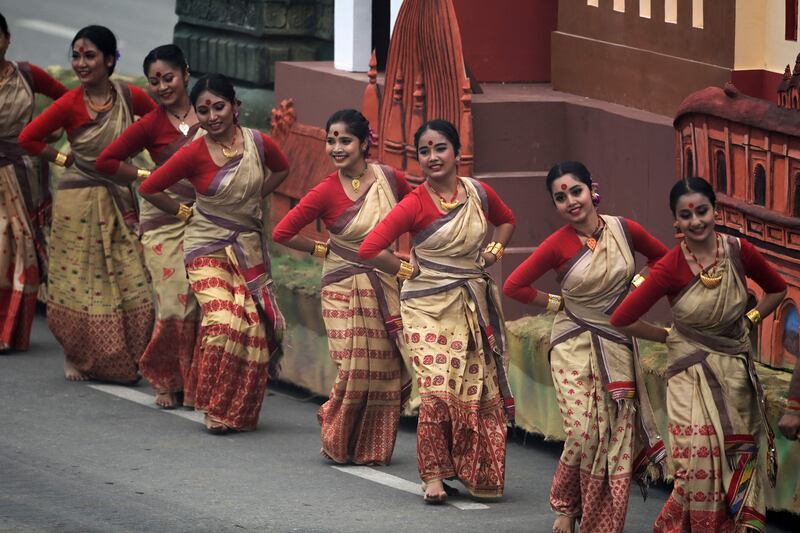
<point>41,30</point>
<point>78,457</point>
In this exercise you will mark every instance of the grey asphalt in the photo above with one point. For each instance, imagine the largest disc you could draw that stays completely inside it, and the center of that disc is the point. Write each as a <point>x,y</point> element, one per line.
<point>73,458</point>
<point>139,25</point>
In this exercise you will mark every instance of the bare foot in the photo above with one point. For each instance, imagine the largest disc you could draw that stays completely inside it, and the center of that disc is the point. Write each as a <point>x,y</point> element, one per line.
<point>564,524</point>
<point>166,399</point>
<point>215,427</point>
<point>434,492</point>
<point>72,373</point>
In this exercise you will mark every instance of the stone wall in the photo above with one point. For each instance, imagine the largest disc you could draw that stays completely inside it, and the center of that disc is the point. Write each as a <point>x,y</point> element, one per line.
<point>244,38</point>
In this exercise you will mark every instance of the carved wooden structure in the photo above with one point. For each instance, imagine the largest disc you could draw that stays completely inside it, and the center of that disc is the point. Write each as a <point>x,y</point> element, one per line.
<point>749,149</point>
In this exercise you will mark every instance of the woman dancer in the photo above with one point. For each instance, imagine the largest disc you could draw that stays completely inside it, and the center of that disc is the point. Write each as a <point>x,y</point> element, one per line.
<point>715,405</point>
<point>99,301</point>
<point>225,254</point>
<point>594,368</point>
<point>452,320</point>
<point>167,359</point>
<point>24,198</point>
<point>360,305</point>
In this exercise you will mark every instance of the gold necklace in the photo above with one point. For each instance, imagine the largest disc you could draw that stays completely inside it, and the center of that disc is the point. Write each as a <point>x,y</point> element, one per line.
<point>105,106</point>
<point>446,205</point>
<point>229,151</point>
<point>355,181</point>
<point>709,281</point>
<point>591,240</point>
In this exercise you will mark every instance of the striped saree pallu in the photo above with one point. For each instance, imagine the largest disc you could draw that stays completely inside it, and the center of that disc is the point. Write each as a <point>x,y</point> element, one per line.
<point>361,311</point>
<point>610,428</point>
<point>229,270</point>
<point>455,336</point>
<point>99,301</point>
<point>720,441</point>
<point>166,361</point>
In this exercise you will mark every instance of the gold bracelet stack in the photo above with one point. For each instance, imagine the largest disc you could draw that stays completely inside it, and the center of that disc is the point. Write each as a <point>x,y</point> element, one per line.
<point>61,159</point>
<point>637,280</point>
<point>554,302</point>
<point>142,173</point>
<point>405,271</point>
<point>320,249</point>
<point>754,316</point>
<point>496,249</point>
<point>184,212</point>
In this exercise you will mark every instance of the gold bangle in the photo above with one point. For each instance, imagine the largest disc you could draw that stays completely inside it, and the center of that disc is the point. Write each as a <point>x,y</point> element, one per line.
<point>320,249</point>
<point>184,212</point>
<point>61,159</point>
<point>754,316</point>
<point>668,330</point>
<point>637,280</point>
<point>142,173</point>
<point>405,271</point>
<point>554,302</point>
<point>496,249</point>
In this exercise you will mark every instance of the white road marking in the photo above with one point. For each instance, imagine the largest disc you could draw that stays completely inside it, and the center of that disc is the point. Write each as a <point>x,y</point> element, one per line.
<point>135,396</point>
<point>47,27</point>
<point>364,472</point>
<point>399,483</point>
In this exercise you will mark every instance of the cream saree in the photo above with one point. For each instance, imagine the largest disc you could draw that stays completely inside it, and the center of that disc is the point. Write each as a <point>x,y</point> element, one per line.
<point>166,361</point>
<point>99,300</point>
<point>361,310</point>
<point>24,214</point>
<point>720,441</point>
<point>455,335</point>
<point>608,420</point>
<point>228,267</point>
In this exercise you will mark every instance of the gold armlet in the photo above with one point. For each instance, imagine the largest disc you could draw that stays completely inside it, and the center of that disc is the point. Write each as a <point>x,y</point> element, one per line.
<point>61,159</point>
<point>637,280</point>
<point>496,249</point>
<point>754,316</point>
<point>184,212</point>
<point>142,173</point>
<point>554,303</point>
<point>405,271</point>
<point>320,249</point>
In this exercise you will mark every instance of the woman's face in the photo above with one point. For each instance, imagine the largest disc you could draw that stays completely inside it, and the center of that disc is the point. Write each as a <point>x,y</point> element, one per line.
<point>89,63</point>
<point>166,82</point>
<point>344,148</point>
<point>214,113</point>
<point>572,198</point>
<point>694,217</point>
<point>436,155</point>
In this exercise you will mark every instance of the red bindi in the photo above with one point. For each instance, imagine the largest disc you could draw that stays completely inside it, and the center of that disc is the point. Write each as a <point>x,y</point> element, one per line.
<point>158,74</point>
<point>430,143</point>
<point>691,205</point>
<point>208,102</point>
<point>563,186</point>
<point>335,133</point>
<point>80,49</point>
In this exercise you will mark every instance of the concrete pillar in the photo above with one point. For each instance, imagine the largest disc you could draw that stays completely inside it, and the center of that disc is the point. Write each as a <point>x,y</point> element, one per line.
<point>352,34</point>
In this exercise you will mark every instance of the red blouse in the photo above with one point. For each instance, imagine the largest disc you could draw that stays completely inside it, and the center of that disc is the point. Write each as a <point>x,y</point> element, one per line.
<point>152,132</point>
<point>327,200</point>
<point>69,112</point>
<point>672,273</point>
<point>560,247</point>
<point>194,163</point>
<point>416,212</point>
<point>44,83</point>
